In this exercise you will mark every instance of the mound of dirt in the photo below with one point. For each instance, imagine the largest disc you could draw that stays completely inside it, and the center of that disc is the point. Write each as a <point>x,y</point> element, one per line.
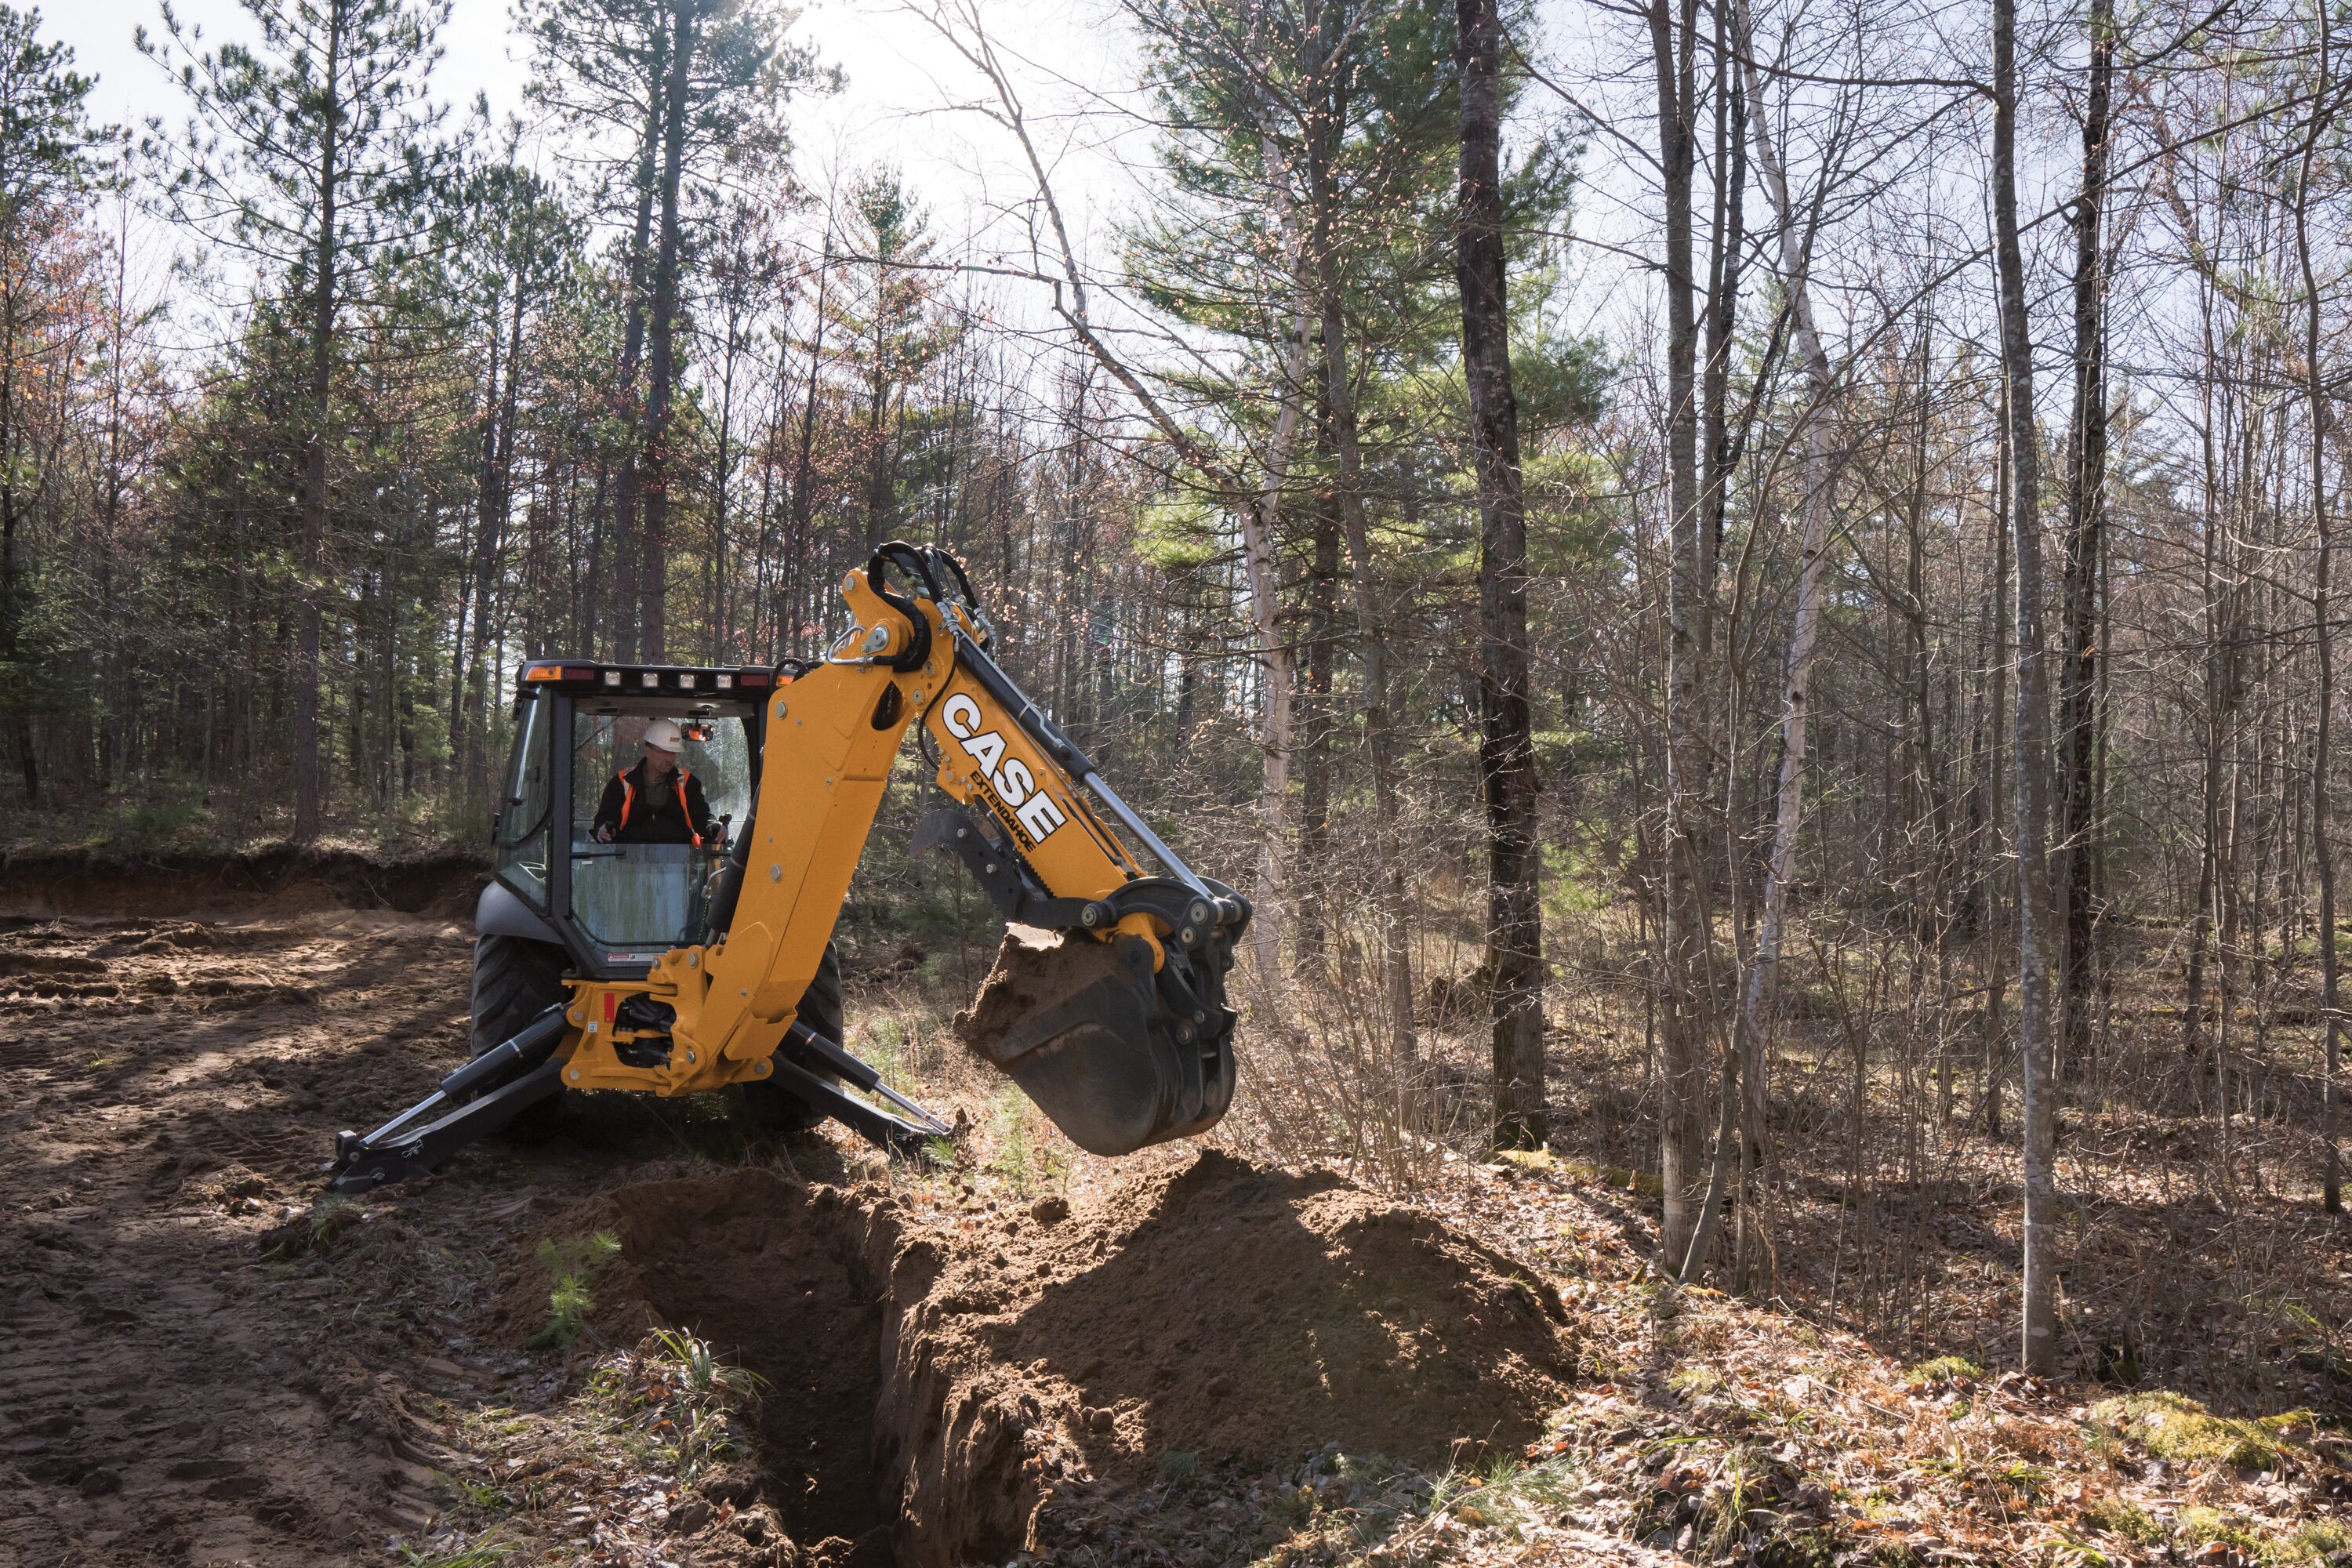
<point>278,880</point>
<point>1235,1312</point>
<point>934,1368</point>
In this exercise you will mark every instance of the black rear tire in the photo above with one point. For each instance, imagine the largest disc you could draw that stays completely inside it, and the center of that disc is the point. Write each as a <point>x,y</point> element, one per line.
<point>776,1108</point>
<point>516,980</point>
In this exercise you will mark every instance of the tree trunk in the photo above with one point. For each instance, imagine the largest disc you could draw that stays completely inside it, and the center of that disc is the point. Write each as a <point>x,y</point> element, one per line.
<point>2086,468</point>
<point>1387,852</point>
<point>497,483</point>
<point>1315,785</point>
<point>1277,665</point>
<point>629,490</point>
<point>799,549</point>
<point>1995,1066</point>
<point>1726,243</point>
<point>308,804</point>
<point>653,554</point>
<point>457,644</point>
<point>1388,863</point>
<point>1261,530</point>
<point>2323,810</point>
<point>1686,941</point>
<point>11,581</point>
<point>1507,760</point>
<point>2032,750</point>
<point>1752,1037</point>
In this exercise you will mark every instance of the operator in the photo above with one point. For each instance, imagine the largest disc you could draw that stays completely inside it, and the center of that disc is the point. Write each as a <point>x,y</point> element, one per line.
<point>657,802</point>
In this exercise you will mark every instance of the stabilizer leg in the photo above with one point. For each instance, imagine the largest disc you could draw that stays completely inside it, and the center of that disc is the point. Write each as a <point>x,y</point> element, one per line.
<point>905,1133</point>
<point>417,1139</point>
<point>360,1164</point>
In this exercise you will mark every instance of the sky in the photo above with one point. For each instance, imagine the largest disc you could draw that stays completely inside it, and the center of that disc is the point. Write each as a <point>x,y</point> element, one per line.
<point>1073,58</point>
<point>896,74</point>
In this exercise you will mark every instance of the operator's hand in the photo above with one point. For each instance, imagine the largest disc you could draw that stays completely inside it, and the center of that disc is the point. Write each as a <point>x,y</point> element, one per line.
<point>605,833</point>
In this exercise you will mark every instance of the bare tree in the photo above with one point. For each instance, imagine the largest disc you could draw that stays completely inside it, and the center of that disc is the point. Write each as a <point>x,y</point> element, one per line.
<point>2033,747</point>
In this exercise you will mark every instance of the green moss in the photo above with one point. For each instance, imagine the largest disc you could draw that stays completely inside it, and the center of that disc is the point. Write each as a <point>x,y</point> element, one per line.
<point>2121,1516</point>
<point>2176,1427</point>
<point>1692,1378</point>
<point>2316,1542</point>
<point>2204,1526</point>
<point>1942,1372</point>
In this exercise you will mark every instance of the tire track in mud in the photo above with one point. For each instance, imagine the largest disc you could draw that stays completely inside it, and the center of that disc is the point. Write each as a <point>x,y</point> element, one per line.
<point>166,1395</point>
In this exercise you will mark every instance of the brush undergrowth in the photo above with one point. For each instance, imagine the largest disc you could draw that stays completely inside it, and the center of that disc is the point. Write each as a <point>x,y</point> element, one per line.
<point>570,1262</point>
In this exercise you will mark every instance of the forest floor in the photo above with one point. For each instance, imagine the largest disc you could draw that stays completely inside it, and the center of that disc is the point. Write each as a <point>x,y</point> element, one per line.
<point>1191,1358</point>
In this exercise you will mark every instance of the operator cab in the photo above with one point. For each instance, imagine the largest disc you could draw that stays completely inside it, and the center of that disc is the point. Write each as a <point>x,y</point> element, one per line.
<point>617,907</point>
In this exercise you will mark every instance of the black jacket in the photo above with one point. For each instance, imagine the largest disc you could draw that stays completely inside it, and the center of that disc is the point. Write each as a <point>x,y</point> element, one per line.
<point>673,811</point>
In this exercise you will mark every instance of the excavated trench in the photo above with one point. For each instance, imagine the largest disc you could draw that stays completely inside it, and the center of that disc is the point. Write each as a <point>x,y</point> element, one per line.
<point>939,1365</point>
<point>934,1368</point>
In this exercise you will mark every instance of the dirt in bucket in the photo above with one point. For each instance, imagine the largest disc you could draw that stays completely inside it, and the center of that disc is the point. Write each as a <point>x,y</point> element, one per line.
<point>1034,969</point>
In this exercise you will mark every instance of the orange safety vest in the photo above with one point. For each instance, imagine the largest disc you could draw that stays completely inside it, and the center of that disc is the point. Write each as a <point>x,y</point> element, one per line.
<point>629,798</point>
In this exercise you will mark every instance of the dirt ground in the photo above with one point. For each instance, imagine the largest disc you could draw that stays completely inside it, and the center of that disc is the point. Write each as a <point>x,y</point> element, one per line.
<point>199,1364</point>
<point>1185,1360</point>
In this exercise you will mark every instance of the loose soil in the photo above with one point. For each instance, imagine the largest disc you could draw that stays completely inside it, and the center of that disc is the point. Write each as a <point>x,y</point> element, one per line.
<point>198,1365</point>
<point>281,879</point>
<point>1033,969</point>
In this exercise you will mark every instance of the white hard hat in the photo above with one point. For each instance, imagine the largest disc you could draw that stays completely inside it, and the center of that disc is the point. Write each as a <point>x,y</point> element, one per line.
<point>664,734</point>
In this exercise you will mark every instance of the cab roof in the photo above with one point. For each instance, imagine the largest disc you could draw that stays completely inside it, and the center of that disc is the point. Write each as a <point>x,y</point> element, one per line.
<point>582,676</point>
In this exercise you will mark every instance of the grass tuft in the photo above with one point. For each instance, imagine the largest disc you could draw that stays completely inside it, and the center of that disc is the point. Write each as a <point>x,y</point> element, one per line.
<point>705,1376</point>
<point>1021,1160</point>
<point>487,1553</point>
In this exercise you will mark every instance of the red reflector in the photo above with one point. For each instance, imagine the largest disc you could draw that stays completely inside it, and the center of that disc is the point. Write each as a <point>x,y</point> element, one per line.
<point>753,678</point>
<point>608,1006</point>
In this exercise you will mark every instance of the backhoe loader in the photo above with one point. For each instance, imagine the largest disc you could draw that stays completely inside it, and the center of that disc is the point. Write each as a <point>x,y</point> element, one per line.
<point>673,968</point>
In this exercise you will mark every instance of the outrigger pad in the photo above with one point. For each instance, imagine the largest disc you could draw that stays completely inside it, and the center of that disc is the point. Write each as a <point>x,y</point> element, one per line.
<point>1082,1027</point>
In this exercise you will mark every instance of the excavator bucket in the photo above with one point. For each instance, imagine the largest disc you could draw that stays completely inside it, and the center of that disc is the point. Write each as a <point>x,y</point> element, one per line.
<point>1117,1057</point>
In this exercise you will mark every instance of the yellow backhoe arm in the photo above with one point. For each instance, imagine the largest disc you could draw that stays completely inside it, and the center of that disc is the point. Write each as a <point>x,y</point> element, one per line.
<point>1113,1019</point>
<point>1135,1049</point>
